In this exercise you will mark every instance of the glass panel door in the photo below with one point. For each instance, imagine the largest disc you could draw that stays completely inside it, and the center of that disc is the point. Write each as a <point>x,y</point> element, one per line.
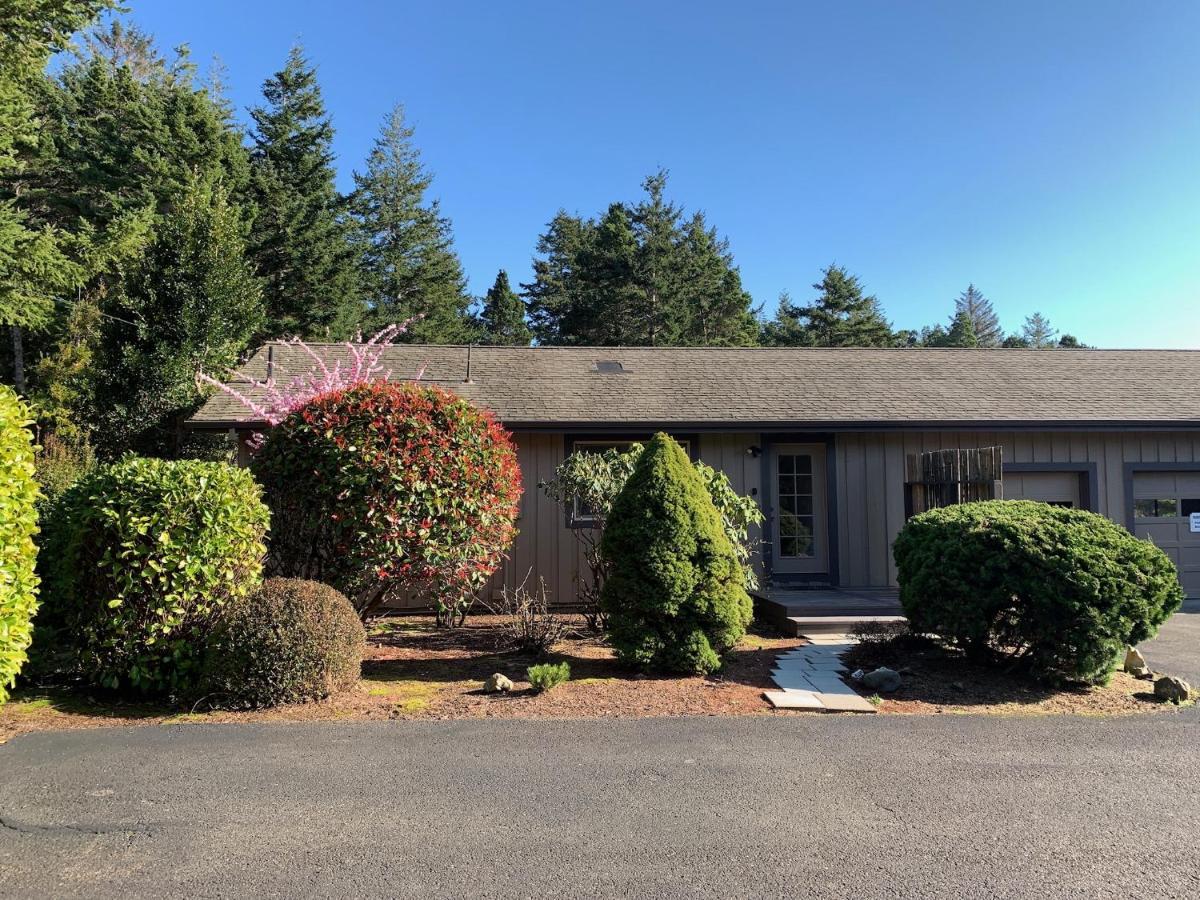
<point>798,508</point>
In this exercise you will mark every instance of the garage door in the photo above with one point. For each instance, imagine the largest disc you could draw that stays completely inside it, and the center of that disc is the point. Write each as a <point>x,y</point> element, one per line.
<point>1059,488</point>
<point>1162,505</point>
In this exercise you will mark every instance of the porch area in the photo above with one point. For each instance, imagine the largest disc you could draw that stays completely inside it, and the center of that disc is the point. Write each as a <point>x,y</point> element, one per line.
<point>825,610</point>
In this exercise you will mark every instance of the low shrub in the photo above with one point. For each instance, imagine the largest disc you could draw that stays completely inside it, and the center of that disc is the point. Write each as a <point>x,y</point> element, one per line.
<point>61,460</point>
<point>290,641</point>
<point>141,557</point>
<point>387,488</point>
<point>18,525</point>
<point>526,622</point>
<point>674,598</point>
<point>545,676</point>
<point>1060,591</point>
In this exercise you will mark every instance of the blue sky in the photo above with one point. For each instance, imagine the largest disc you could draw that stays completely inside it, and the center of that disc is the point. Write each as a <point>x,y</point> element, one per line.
<point>1049,152</point>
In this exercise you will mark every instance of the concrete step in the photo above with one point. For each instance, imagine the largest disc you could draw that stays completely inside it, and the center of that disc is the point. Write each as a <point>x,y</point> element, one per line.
<point>809,626</point>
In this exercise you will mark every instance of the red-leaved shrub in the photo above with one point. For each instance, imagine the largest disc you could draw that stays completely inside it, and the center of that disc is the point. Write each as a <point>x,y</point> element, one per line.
<point>384,488</point>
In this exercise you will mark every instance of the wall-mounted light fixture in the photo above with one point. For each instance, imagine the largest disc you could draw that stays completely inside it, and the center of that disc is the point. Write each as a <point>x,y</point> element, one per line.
<point>754,450</point>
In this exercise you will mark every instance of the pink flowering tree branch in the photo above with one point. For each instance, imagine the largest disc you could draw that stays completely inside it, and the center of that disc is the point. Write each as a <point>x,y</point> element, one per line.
<point>272,401</point>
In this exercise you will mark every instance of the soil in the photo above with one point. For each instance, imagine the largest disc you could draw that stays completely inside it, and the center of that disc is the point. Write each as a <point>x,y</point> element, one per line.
<point>415,670</point>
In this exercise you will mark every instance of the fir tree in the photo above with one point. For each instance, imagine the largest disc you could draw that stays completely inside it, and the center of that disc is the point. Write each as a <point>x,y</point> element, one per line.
<point>502,319</point>
<point>961,333</point>
<point>300,240</point>
<point>840,316</point>
<point>978,310</point>
<point>641,274</point>
<point>1038,333</point>
<point>409,267</point>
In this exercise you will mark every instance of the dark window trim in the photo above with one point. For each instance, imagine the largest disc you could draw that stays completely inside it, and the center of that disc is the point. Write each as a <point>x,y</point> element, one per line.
<point>570,440</point>
<point>1089,478</point>
<point>1132,468</point>
<point>829,439</point>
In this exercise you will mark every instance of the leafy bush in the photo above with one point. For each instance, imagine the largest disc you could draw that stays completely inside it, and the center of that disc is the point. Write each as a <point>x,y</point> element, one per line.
<point>385,488</point>
<point>18,525</point>
<point>545,676</point>
<point>142,556</point>
<point>675,596</point>
<point>1062,591</point>
<point>60,461</point>
<point>592,481</point>
<point>289,642</point>
<point>527,623</point>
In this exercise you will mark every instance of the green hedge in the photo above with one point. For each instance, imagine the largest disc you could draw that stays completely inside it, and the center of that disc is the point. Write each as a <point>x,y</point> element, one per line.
<point>1062,591</point>
<point>674,599</point>
<point>289,642</point>
<point>143,555</point>
<point>18,525</point>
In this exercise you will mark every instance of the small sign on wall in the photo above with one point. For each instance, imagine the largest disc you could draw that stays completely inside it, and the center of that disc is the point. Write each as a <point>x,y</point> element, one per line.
<point>1194,522</point>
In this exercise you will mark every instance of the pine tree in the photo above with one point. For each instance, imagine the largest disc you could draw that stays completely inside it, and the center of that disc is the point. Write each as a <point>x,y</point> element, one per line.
<point>192,304</point>
<point>840,316</point>
<point>641,274</point>
<point>787,328</point>
<point>961,333</point>
<point>409,267</point>
<point>502,319</point>
<point>1037,332</point>
<point>984,322</point>
<point>300,240</point>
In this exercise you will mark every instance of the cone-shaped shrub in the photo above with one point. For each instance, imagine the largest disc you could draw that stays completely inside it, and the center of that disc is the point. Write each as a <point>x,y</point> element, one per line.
<point>674,599</point>
<point>18,525</point>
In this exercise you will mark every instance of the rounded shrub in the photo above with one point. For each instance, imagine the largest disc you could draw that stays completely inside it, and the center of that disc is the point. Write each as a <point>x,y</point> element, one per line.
<point>142,556</point>
<point>289,642</point>
<point>385,488</point>
<point>674,598</point>
<point>18,524</point>
<point>1062,591</point>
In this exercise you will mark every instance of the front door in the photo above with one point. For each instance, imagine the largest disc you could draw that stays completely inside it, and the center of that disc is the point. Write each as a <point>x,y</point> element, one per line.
<point>798,509</point>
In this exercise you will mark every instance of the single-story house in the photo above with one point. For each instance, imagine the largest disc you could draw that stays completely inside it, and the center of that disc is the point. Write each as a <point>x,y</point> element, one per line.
<point>820,436</point>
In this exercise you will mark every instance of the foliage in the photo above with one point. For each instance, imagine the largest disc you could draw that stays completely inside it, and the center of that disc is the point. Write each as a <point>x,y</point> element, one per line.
<point>960,334</point>
<point>299,239</point>
<point>592,481</point>
<point>502,319</point>
<point>978,312</point>
<point>59,462</point>
<point>545,676</point>
<point>1037,332</point>
<point>290,641</point>
<point>641,274</point>
<point>143,554</point>
<point>674,596</point>
<point>527,623</point>
<point>191,304</point>
<point>1061,592</point>
<point>840,316</point>
<point>18,525</point>
<point>384,488</point>
<point>409,270</point>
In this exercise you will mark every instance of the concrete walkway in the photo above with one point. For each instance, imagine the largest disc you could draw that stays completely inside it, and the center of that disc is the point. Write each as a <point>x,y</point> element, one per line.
<point>810,677</point>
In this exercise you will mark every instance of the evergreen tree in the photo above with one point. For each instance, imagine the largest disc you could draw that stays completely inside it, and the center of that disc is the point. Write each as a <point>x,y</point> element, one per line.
<point>1037,332</point>
<point>840,316</point>
<point>787,328</point>
<point>642,274</point>
<point>35,269</point>
<point>978,310</point>
<point>960,334</point>
<point>192,304</point>
<point>409,267</point>
<point>300,240</point>
<point>502,319</point>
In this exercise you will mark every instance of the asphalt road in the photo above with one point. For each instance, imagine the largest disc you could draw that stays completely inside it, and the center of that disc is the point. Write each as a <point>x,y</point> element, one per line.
<point>829,806</point>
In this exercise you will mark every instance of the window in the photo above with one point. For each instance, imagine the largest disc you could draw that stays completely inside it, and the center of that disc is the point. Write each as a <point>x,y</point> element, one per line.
<point>1189,507</point>
<point>581,515</point>
<point>796,514</point>
<point>1166,508</point>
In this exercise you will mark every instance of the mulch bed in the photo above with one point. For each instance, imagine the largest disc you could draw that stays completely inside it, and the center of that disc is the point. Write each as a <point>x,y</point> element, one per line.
<point>414,670</point>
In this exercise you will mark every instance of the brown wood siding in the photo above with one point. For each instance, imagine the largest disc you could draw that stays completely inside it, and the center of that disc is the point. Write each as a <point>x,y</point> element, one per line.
<point>870,480</point>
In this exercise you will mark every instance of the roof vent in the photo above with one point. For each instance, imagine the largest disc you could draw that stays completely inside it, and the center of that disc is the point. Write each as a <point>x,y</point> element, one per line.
<point>609,367</point>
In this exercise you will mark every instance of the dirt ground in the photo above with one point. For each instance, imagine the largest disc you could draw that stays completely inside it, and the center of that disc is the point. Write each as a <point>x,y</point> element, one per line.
<point>415,670</point>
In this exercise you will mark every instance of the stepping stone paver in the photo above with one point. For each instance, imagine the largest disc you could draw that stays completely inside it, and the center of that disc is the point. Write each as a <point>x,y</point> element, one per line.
<point>793,699</point>
<point>847,703</point>
<point>808,677</point>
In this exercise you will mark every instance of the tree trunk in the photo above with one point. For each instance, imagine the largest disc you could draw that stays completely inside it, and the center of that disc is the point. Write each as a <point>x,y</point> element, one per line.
<point>18,358</point>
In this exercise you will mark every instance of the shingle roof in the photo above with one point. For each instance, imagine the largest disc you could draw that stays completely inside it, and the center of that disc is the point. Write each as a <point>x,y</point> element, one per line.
<point>709,386</point>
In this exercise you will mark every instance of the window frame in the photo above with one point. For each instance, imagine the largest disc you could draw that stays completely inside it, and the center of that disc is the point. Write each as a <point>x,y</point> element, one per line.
<point>571,442</point>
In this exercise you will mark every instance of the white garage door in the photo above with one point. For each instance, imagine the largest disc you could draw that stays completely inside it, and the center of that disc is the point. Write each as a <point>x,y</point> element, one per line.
<point>1162,505</point>
<point>1059,488</point>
